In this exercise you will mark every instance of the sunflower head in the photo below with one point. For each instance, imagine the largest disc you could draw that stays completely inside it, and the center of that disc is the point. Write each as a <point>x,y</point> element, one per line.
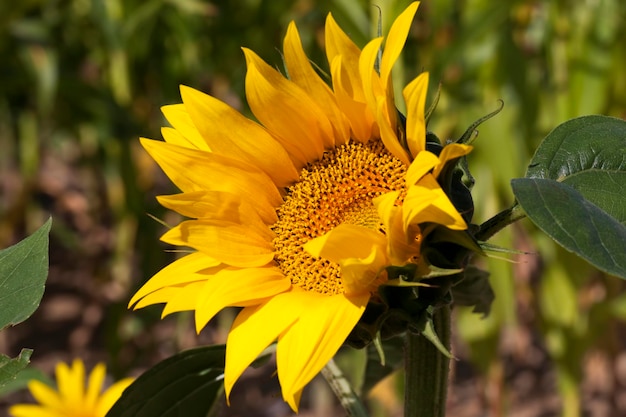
<point>315,217</point>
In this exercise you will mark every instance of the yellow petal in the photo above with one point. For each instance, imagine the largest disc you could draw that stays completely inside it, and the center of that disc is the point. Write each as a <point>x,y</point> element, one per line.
<point>29,410</point>
<point>173,136</point>
<point>338,44</point>
<point>163,296</point>
<point>307,346</point>
<point>372,87</point>
<point>415,98</point>
<point>45,395</point>
<point>234,287</point>
<point>359,251</point>
<point>230,243</point>
<point>427,202</point>
<point>388,135</point>
<point>94,386</point>
<point>178,117</point>
<point>286,111</point>
<point>184,298</point>
<point>231,134</point>
<point>302,73</point>
<point>360,118</point>
<point>395,42</point>
<point>217,205</point>
<point>421,165</point>
<point>255,328</point>
<point>110,396</point>
<point>450,152</point>
<point>194,170</point>
<point>184,270</point>
<point>401,244</point>
<point>71,382</point>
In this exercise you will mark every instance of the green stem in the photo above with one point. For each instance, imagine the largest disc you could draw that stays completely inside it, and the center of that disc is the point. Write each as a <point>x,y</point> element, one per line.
<point>426,370</point>
<point>499,222</point>
<point>343,390</point>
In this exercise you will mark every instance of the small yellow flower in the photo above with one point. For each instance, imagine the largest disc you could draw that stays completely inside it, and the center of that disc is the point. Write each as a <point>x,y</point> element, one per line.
<point>73,398</point>
<point>296,217</point>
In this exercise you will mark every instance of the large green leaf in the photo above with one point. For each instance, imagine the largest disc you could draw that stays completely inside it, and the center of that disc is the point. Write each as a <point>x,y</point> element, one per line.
<point>23,273</point>
<point>589,154</point>
<point>185,384</point>
<point>574,222</point>
<point>9,368</point>
<point>575,190</point>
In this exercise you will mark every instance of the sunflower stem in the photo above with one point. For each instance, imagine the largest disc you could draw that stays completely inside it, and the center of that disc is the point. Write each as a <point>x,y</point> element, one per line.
<point>426,370</point>
<point>499,222</point>
<point>343,390</point>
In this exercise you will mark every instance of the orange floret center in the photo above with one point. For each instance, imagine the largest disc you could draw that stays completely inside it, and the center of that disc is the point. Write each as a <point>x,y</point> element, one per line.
<point>337,189</point>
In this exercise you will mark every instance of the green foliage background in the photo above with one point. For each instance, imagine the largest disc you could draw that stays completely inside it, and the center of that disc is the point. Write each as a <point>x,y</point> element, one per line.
<point>80,80</point>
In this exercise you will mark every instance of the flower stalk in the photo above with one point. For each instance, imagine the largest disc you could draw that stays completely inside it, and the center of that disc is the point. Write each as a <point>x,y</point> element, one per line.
<point>426,370</point>
<point>343,390</point>
<point>499,222</point>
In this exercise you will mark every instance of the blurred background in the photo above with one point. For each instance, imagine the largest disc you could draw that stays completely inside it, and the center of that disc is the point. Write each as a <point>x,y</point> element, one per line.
<point>82,80</point>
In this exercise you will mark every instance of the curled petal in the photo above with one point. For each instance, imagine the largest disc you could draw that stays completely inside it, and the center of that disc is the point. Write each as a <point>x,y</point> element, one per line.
<point>415,98</point>
<point>359,251</point>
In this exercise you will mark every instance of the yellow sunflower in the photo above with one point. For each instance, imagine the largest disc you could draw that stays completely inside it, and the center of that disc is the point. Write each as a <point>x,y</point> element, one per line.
<point>72,399</point>
<point>296,217</point>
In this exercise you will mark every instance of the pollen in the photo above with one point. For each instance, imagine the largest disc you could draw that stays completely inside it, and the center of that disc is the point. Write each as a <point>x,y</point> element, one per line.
<point>334,190</point>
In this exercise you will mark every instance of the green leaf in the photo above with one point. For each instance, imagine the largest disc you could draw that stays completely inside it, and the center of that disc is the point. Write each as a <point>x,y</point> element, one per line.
<point>23,273</point>
<point>574,222</point>
<point>587,153</point>
<point>9,368</point>
<point>186,384</point>
<point>575,190</point>
<point>21,380</point>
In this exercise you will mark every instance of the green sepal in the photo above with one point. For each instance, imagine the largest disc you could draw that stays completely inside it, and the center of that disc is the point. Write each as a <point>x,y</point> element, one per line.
<point>426,328</point>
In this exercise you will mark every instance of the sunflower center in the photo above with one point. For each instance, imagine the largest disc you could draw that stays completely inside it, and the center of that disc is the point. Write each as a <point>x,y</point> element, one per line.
<point>337,189</point>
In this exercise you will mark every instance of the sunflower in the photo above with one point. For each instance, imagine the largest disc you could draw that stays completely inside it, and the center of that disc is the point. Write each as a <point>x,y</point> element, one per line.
<point>296,217</point>
<point>72,399</point>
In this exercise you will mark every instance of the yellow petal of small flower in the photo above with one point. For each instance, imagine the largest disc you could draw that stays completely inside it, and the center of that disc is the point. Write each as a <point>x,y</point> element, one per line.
<point>73,398</point>
<point>111,395</point>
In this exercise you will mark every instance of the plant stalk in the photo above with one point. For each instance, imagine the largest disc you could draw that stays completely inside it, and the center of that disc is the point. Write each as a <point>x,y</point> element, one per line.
<point>499,222</point>
<point>343,390</point>
<point>426,370</point>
